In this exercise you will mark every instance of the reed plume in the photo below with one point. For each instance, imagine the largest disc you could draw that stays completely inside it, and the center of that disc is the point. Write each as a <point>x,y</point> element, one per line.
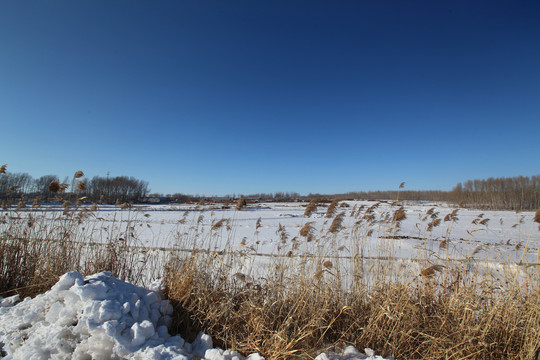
<point>337,223</point>
<point>431,270</point>
<point>81,185</point>
<point>399,215</point>
<point>241,203</point>
<point>54,186</point>
<point>332,208</point>
<point>311,208</point>
<point>537,216</point>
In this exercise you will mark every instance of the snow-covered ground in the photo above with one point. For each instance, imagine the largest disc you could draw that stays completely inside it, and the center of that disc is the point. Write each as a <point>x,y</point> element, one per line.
<point>101,317</point>
<point>504,236</point>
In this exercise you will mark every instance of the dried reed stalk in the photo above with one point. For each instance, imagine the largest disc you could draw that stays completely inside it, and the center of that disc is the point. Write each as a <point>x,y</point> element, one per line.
<point>332,208</point>
<point>81,185</point>
<point>337,223</point>
<point>218,224</point>
<point>241,204</point>
<point>399,215</point>
<point>54,186</point>
<point>311,208</point>
<point>431,270</point>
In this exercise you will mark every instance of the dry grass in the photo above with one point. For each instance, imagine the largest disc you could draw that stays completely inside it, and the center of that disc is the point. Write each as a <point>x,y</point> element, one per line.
<point>302,305</point>
<point>443,314</point>
<point>241,204</point>
<point>311,208</point>
<point>445,310</point>
<point>332,208</point>
<point>537,216</point>
<point>39,245</point>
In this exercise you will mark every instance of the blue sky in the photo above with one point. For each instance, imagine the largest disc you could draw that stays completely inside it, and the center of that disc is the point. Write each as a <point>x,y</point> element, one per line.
<point>221,97</point>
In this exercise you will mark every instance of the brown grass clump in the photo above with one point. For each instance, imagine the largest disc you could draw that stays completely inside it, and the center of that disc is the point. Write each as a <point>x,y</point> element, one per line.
<point>311,208</point>
<point>332,208</point>
<point>399,215</point>
<point>452,216</point>
<point>433,224</point>
<point>337,223</point>
<point>54,186</point>
<point>81,185</point>
<point>431,270</point>
<point>218,224</point>
<point>241,204</point>
<point>307,229</point>
<point>537,216</point>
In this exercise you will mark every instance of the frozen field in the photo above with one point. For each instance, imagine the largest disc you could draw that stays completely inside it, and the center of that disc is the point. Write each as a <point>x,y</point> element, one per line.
<point>259,234</point>
<point>274,229</point>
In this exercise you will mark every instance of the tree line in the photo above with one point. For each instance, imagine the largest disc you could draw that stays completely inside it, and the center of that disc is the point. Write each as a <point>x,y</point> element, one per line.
<point>508,193</point>
<point>22,186</point>
<point>511,193</point>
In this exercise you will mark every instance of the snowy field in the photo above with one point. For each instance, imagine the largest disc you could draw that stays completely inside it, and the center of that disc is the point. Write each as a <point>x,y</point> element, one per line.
<point>100,317</point>
<point>270,229</point>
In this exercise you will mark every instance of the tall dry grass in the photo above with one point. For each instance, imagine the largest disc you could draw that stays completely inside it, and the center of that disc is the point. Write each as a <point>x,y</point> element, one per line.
<point>430,308</point>
<point>39,244</point>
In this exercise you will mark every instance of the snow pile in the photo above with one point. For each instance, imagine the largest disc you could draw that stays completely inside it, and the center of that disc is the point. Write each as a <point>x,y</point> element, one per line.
<point>97,317</point>
<point>100,317</point>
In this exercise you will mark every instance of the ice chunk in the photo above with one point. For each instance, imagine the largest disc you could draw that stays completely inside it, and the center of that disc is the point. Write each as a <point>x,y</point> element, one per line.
<point>93,290</point>
<point>141,332</point>
<point>322,356</point>
<point>54,312</point>
<point>202,343</point>
<point>126,307</point>
<point>109,310</point>
<point>351,350</point>
<point>214,354</point>
<point>67,281</point>
<point>150,298</point>
<point>9,301</point>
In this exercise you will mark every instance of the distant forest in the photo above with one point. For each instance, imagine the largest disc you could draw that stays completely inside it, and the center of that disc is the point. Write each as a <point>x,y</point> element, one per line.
<point>22,186</point>
<point>507,193</point>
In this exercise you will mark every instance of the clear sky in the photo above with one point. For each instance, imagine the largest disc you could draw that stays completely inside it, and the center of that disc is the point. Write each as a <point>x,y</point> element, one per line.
<point>221,97</point>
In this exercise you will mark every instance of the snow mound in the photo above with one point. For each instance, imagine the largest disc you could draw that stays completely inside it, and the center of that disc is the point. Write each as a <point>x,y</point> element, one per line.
<point>97,317</point>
